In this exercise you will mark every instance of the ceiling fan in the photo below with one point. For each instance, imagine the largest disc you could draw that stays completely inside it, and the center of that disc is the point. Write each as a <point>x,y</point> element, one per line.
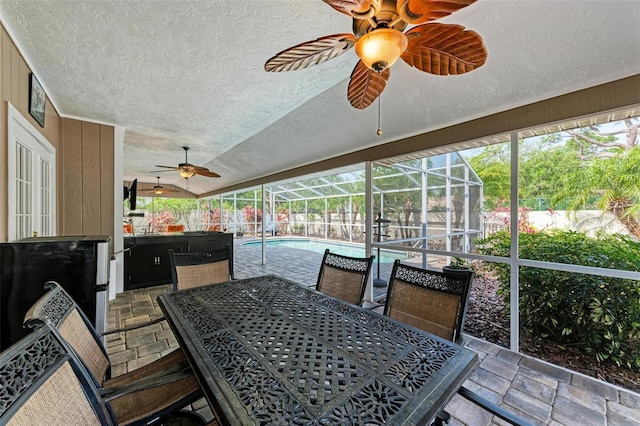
<point>159,189</point>
<point>378,25</point>
<point>187,170</point>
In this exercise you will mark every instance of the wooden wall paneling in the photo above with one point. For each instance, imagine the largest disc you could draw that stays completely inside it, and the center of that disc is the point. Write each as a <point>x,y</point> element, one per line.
<point>91,183</point>
<point>52,124</point>
<point>24,92</point>
<point>60,184</point>
<point>72,177</point>
<point>15,77</point>
<point>107,180</point>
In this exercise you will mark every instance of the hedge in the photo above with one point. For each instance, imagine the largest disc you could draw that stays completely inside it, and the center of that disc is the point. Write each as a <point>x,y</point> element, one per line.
<point>601,315</point>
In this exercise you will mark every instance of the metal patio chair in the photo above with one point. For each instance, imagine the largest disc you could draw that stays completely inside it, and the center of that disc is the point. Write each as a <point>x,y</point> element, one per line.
<point>344,277</point>
<point>165,385</point>
<point>430,300</point>
<point>43,382</point>
<point>437,302</point>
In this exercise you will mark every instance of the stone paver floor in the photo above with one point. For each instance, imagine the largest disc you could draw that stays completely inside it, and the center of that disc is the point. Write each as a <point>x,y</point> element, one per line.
<point>536,390</point>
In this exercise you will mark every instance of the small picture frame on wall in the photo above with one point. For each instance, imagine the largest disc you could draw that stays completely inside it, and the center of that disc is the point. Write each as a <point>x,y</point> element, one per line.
<point>37,100</point>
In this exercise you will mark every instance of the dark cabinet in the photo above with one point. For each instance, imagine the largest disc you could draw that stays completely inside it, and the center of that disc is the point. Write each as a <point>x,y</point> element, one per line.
<point>146,261</point>
<point>80,264</point>
<point>147,264</point>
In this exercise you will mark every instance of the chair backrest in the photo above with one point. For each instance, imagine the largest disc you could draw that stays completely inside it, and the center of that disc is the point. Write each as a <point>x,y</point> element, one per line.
<point>43,383</point>
<point>344,277</point>
<point>190,270</point>
<point>59,310</point>
<point>430,300</point>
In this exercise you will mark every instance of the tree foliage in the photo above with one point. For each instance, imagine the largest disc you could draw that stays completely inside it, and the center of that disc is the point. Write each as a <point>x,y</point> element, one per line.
<point>573,170</point>
<point>608,174</point>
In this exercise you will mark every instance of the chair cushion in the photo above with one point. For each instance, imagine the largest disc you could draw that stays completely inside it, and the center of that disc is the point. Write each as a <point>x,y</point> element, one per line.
<point>76,333</point>
<point>191,276</point>
<point>421,307</point>
<point>59,400</point>
<point>341,284</point>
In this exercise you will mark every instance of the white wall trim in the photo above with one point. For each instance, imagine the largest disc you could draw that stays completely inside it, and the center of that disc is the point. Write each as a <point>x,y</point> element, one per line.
<point>116,282</point>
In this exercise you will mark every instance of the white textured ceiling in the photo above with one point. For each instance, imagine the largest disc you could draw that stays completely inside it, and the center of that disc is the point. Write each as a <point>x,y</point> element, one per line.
<point>176,73</point>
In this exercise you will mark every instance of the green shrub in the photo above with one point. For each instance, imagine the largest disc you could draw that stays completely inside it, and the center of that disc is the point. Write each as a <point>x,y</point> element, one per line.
<point>601,315</point>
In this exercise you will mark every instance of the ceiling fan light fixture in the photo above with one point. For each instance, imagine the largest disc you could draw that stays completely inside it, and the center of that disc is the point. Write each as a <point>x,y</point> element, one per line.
<point>186,174</point>
<point>381,48</point>
<point>158,191</point>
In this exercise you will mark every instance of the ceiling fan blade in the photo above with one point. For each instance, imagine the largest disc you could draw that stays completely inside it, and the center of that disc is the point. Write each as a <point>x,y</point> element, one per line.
<point>366,85</point>
<point>206,172</point>
<point>421,11</point>
<point>164,189</point>
<point>153,191</point>
<point>444,49</point>
<point>359,9</point>
<point>167,167</point>
<point>198,168</point>
<point>310,53</point>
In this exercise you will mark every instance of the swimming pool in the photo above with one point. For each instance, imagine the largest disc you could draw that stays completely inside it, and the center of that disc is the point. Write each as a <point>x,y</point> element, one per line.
<point>319,246</point>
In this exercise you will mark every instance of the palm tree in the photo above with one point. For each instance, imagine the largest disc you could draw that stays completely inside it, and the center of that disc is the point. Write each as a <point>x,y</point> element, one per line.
<point>614,182</point>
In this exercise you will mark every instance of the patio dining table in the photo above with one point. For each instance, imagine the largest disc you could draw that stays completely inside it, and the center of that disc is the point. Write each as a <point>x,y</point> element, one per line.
<point>269,351</point>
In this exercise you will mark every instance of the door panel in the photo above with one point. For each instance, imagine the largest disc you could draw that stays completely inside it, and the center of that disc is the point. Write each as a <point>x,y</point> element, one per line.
<point>32,192</point>
<point>31,180</point>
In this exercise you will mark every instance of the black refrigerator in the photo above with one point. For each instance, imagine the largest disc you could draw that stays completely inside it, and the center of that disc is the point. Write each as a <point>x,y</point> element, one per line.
<point>80,264</point>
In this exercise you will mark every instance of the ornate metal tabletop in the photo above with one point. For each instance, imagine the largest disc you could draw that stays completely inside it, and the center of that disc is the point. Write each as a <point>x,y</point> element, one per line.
<point>269,351</point>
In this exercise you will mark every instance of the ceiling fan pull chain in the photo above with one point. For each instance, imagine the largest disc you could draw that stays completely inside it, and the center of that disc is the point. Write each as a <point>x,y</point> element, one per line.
<point>379,132</point>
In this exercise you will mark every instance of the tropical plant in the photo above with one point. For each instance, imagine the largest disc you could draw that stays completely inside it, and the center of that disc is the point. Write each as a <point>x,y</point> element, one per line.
<point>600,315</point>
<point>160,220</point>
<point>181,208</point>
<point>251,214</point>
<point>615,182</point>
<point>459,263</point>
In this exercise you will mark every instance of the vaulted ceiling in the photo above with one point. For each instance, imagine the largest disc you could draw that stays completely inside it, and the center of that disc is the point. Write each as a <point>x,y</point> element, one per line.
<point>191,73</point>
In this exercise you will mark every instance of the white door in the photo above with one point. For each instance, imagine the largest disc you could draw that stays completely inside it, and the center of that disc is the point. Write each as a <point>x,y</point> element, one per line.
<point>31,167</point>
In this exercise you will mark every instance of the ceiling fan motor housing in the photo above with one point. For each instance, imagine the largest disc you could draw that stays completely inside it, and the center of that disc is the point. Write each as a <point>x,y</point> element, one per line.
<point>386,15</point>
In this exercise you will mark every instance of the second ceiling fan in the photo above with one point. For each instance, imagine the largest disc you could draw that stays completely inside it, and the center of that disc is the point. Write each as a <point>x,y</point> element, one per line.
<point>159,189</point>
<point>188,170</point>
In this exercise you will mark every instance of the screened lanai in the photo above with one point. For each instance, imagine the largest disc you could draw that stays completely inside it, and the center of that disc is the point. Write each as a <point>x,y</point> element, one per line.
<point>421,203</point>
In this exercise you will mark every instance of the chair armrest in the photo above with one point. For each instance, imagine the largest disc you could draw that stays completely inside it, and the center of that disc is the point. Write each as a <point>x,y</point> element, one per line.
<point>494,409</point>
<point>152,382</point>
<point>133,327</point>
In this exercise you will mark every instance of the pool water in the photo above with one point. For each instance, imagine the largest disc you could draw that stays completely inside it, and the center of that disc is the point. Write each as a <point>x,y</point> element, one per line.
<point>320,246</point>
